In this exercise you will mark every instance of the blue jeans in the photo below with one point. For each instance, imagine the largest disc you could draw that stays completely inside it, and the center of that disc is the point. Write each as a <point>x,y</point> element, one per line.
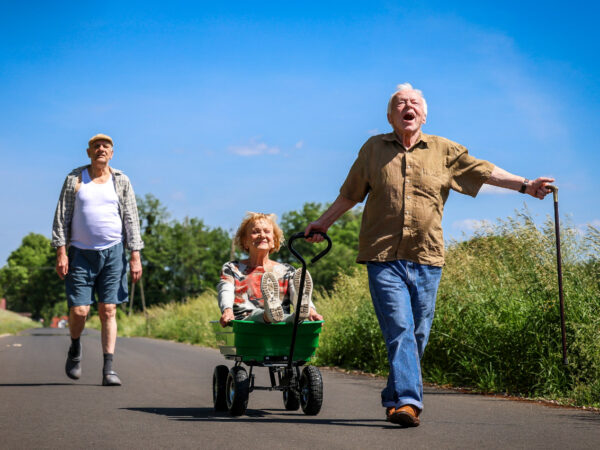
<point>403,294</point>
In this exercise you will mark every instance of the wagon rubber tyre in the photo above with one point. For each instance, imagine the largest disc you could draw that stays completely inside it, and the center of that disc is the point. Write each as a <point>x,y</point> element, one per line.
<point>291,400</point>
<point>311,391</point>
<point>237,391</point>
<point>219,383</point>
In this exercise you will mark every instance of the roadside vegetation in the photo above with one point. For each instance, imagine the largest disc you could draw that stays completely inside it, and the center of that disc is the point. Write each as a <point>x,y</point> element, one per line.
<point>497,323</point>
<point>181,322</point>
<point>12,323</point>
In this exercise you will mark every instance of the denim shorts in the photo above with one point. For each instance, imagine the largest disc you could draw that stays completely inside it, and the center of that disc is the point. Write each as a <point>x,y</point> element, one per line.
<point>99,272</point>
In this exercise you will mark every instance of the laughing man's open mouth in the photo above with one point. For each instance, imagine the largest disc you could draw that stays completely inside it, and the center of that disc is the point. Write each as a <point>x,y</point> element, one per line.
<point>408,116</point>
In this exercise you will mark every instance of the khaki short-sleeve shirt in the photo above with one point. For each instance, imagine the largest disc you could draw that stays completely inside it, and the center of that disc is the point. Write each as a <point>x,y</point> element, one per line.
<point>407,190</point>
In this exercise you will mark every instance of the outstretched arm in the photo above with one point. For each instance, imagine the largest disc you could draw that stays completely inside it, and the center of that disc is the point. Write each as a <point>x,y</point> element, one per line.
<point>333,213</point>
<point>536,188</point>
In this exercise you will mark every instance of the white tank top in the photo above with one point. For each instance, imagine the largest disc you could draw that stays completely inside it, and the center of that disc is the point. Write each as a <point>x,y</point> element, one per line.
<point>96,221</point>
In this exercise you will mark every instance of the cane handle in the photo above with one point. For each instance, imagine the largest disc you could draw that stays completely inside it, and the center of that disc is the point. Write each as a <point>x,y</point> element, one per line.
<point>554,190</point>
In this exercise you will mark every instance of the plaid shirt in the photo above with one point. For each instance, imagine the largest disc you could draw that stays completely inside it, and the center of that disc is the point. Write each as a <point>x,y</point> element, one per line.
<point>61,228</point>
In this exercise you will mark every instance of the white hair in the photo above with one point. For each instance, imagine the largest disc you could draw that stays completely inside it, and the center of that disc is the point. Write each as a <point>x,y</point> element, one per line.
<point>406,87</point>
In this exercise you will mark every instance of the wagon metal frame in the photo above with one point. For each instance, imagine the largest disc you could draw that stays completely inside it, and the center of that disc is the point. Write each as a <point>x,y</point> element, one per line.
<point>266,345</point>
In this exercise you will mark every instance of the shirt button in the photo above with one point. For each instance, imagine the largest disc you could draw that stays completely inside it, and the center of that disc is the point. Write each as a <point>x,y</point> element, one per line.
<point>408,197</point>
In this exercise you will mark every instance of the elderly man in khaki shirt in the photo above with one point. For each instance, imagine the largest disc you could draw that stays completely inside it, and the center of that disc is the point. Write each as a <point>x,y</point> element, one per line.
<point>406,177</point>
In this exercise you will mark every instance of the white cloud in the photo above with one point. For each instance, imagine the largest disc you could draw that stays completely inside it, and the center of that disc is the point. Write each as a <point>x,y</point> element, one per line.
<point>299,145</point>
<point>494,190</point>
<point>253,148</point>
<point>373,132</point>
<point>471,225</point>
<point>178,195</point>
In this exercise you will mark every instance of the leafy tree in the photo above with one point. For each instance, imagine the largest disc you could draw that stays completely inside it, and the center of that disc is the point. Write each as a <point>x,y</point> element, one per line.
<point>180,259</point>
<point>28,280</point>
<point>343,233</point>
<point>152,214</point>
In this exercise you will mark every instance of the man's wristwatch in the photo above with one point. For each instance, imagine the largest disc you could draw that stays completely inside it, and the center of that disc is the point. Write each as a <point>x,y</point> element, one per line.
<point>524,186</point>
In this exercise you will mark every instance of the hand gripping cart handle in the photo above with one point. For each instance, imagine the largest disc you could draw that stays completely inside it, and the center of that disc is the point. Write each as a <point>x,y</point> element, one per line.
<point>299,257</point>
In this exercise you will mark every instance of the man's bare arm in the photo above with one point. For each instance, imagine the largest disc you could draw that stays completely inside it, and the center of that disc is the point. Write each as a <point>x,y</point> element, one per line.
<point>333,213</point>
<point>62,262</point>
<point>135,265</point>
<point>536,188</point>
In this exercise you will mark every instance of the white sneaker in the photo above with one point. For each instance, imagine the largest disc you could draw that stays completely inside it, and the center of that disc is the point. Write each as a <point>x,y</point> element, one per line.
<point>270,293</point>
<point>304,308</point>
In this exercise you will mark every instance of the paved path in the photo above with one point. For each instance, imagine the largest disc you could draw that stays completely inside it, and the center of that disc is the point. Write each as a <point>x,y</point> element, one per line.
<point>166,402</point>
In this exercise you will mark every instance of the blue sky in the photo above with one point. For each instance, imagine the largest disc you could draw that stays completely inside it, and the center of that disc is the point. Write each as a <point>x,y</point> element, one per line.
<point>218,109</point>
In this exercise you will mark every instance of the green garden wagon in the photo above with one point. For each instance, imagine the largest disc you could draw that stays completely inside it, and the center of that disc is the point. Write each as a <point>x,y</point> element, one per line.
<point>283,348</point>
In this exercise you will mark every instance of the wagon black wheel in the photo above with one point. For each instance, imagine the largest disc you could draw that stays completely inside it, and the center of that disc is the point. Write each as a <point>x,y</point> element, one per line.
<point>291,400</point>
<point>219,382</point>
<point>311,391</point>
<point>237,391</point>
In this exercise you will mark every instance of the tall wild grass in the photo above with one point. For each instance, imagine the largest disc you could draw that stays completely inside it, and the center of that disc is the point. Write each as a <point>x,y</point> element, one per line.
<point>497,325</point>
<point>181,322</point>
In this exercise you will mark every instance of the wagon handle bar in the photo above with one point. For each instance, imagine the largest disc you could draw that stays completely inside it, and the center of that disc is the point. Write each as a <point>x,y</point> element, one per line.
<point>300,235</point>
<point>295,236</point>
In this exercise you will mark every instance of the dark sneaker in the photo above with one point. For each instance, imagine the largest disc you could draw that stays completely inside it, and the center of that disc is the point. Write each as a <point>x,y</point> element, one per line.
<point>407,415</point>
<point>270,293</point>
<point>304,307</point>
<point>73,365</point>
<point>110,378</point>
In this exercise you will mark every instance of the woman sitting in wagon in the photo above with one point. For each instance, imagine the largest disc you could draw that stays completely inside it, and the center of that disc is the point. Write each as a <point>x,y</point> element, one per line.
<point>259,289</point>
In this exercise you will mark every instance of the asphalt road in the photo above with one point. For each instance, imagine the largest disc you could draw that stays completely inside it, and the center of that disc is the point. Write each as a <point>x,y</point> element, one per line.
<point>166,402</point>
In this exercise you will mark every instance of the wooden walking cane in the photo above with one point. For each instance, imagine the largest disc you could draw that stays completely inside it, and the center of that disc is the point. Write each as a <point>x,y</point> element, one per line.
<point>563,329</point>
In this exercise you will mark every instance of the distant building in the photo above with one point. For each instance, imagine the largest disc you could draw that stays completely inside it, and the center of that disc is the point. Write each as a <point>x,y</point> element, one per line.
<point>2,303</point>
<point>60,322</point>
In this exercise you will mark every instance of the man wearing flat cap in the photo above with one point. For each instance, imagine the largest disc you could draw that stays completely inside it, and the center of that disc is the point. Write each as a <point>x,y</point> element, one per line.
<point>96,219</point>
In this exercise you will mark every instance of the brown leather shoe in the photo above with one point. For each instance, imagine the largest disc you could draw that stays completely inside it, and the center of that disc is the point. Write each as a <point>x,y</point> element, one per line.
<point>407,415</point>
<point>388,411</point>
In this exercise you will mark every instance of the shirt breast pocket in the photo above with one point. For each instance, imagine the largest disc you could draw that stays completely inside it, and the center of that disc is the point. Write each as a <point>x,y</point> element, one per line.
<point>430,182</point>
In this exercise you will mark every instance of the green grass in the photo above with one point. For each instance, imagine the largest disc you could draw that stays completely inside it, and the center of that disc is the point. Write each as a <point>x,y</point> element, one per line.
<point>181,322</point>
<point>497,326</point>
<point>12,323</point>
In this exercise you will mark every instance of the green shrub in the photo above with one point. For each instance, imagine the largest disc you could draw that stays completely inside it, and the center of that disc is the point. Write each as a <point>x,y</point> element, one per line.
<point>497,323</point>
<point>182,322</point>
<point>351,337</point>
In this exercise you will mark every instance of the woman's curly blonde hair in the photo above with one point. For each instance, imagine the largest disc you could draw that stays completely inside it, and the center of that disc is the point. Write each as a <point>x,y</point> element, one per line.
<point>249,220</point>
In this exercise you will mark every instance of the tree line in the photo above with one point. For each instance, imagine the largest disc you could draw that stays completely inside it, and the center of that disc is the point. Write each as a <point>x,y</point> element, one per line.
<point>181,258</point>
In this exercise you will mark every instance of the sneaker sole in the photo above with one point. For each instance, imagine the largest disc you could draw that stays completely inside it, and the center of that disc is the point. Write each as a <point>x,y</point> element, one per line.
<point>270,291</point>
<point>308,286</point>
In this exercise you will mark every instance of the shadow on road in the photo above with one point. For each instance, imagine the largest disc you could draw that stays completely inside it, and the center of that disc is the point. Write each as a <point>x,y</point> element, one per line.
<point>585,417</point>
<point>44,384</point>
<point>254,415</point>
